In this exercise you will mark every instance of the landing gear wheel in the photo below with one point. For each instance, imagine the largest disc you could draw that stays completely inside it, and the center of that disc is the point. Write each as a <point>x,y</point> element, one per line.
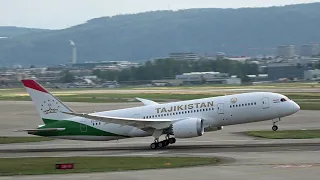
<point>166,142</point>
<point>275,128</point>
<point>153,146</point>
<point>160,144</point>
<point>172,140</point>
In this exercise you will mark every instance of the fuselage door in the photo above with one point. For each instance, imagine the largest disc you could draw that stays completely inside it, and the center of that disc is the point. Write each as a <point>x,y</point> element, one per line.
<point>265,102</point>
<point>220,108</point>
<point>83,126</point>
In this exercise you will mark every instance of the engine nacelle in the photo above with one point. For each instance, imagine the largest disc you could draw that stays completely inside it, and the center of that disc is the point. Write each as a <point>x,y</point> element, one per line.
<point>210,128</point>
<point>188,128</point>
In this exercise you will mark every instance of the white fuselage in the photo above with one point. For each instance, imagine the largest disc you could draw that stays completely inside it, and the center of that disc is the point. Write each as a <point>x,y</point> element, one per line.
<point>215,111</point>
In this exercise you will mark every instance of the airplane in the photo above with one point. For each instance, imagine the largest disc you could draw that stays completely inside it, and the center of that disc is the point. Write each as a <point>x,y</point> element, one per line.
<point>182,119</point>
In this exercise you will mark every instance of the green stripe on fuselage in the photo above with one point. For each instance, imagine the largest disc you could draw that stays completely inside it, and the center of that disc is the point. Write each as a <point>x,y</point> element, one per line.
<point>48,121</point>
<point>72,128</point>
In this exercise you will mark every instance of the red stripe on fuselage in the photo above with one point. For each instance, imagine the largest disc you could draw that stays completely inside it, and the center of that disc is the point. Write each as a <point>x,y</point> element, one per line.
<point>33,85</point>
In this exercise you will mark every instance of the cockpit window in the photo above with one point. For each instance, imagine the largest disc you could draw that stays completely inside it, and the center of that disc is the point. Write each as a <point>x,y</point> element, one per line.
<point>283,100</point>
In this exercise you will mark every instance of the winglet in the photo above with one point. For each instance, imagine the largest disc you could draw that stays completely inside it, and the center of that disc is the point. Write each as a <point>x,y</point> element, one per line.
<point>146,102</point>
<point>32,84</point>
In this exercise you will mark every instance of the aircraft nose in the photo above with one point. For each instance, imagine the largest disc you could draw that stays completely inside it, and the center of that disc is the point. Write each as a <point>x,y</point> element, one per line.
<point>295,107</point>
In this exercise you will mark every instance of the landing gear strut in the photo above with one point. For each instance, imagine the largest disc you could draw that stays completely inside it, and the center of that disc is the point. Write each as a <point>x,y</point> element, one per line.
<point>275,127</point>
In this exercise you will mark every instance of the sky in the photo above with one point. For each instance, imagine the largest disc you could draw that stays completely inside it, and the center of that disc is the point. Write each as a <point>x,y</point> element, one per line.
<point>59,14</point>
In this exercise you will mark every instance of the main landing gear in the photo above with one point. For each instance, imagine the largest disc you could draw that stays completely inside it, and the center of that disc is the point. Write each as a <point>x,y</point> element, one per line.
<point>163,143</point>
<point>275,127</point>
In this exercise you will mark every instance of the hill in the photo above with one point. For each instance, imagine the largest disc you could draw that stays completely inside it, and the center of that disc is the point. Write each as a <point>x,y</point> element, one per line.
<point>11,31</point>
<point>139,37</point>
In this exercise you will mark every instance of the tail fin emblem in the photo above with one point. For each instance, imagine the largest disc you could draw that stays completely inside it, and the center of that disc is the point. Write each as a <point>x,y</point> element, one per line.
<point>49,107</point>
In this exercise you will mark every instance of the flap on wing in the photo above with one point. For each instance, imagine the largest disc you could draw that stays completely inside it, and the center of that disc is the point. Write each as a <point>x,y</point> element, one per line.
<point>147,102</point>
<point>41,130</point>
<point>139,123</point>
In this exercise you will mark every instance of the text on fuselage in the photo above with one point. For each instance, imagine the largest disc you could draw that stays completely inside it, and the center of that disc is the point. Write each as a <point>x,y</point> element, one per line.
<point>185,107</point>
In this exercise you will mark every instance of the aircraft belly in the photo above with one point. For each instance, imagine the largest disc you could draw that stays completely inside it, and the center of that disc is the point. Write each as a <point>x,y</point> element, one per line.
<point>89,138</point>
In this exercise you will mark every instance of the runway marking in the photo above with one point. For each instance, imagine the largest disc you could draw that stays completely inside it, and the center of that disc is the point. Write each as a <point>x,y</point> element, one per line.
<point>295,166</point>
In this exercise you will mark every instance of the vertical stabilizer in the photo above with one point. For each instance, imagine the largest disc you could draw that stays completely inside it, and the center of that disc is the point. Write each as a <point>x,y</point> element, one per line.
<point>48,106</point>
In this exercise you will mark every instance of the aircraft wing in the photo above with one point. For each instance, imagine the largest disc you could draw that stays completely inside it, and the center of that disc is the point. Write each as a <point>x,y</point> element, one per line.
<point>147,102</point>
<point>41,130</point>
<point>138,123</point>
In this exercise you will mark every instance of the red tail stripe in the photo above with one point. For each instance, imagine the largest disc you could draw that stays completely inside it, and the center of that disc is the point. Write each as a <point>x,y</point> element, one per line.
<point>30,83</point>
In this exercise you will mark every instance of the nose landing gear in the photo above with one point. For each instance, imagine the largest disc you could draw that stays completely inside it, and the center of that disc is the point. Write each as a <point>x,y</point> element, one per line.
<point>275,127</point>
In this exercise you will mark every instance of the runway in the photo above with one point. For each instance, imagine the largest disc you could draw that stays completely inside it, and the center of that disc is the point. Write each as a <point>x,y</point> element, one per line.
<point>243,157</point>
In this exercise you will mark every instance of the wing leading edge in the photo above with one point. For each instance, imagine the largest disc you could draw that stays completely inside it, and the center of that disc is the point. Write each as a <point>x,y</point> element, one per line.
<point>138,123</point>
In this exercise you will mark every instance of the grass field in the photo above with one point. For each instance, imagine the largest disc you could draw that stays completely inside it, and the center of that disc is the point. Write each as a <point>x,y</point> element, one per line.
<point>33,166</point>
<point>9,140</point>
<point>286,134</point>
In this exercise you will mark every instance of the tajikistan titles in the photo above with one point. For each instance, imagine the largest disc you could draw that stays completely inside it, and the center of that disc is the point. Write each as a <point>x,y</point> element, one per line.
<point>184,107</point>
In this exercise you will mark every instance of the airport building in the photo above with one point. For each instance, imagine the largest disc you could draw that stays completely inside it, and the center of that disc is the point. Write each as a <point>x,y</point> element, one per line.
<point>292,70</point>
<point>183,56</point>
<point>312,74</point>
<point>105,65</point>
<point>207,77</point>
<point>310,50</point>
<point>286,51</point>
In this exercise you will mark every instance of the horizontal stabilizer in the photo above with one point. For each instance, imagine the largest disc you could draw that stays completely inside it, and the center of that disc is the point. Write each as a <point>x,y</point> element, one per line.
<point>41,130</point>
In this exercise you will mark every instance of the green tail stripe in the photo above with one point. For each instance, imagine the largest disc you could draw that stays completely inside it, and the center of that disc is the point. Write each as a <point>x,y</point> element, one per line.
<point>48,121</point>
<point>72,129</point>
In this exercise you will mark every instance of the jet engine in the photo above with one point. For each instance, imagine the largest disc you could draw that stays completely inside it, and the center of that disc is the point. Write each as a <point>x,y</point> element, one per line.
<point>188,128</point>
